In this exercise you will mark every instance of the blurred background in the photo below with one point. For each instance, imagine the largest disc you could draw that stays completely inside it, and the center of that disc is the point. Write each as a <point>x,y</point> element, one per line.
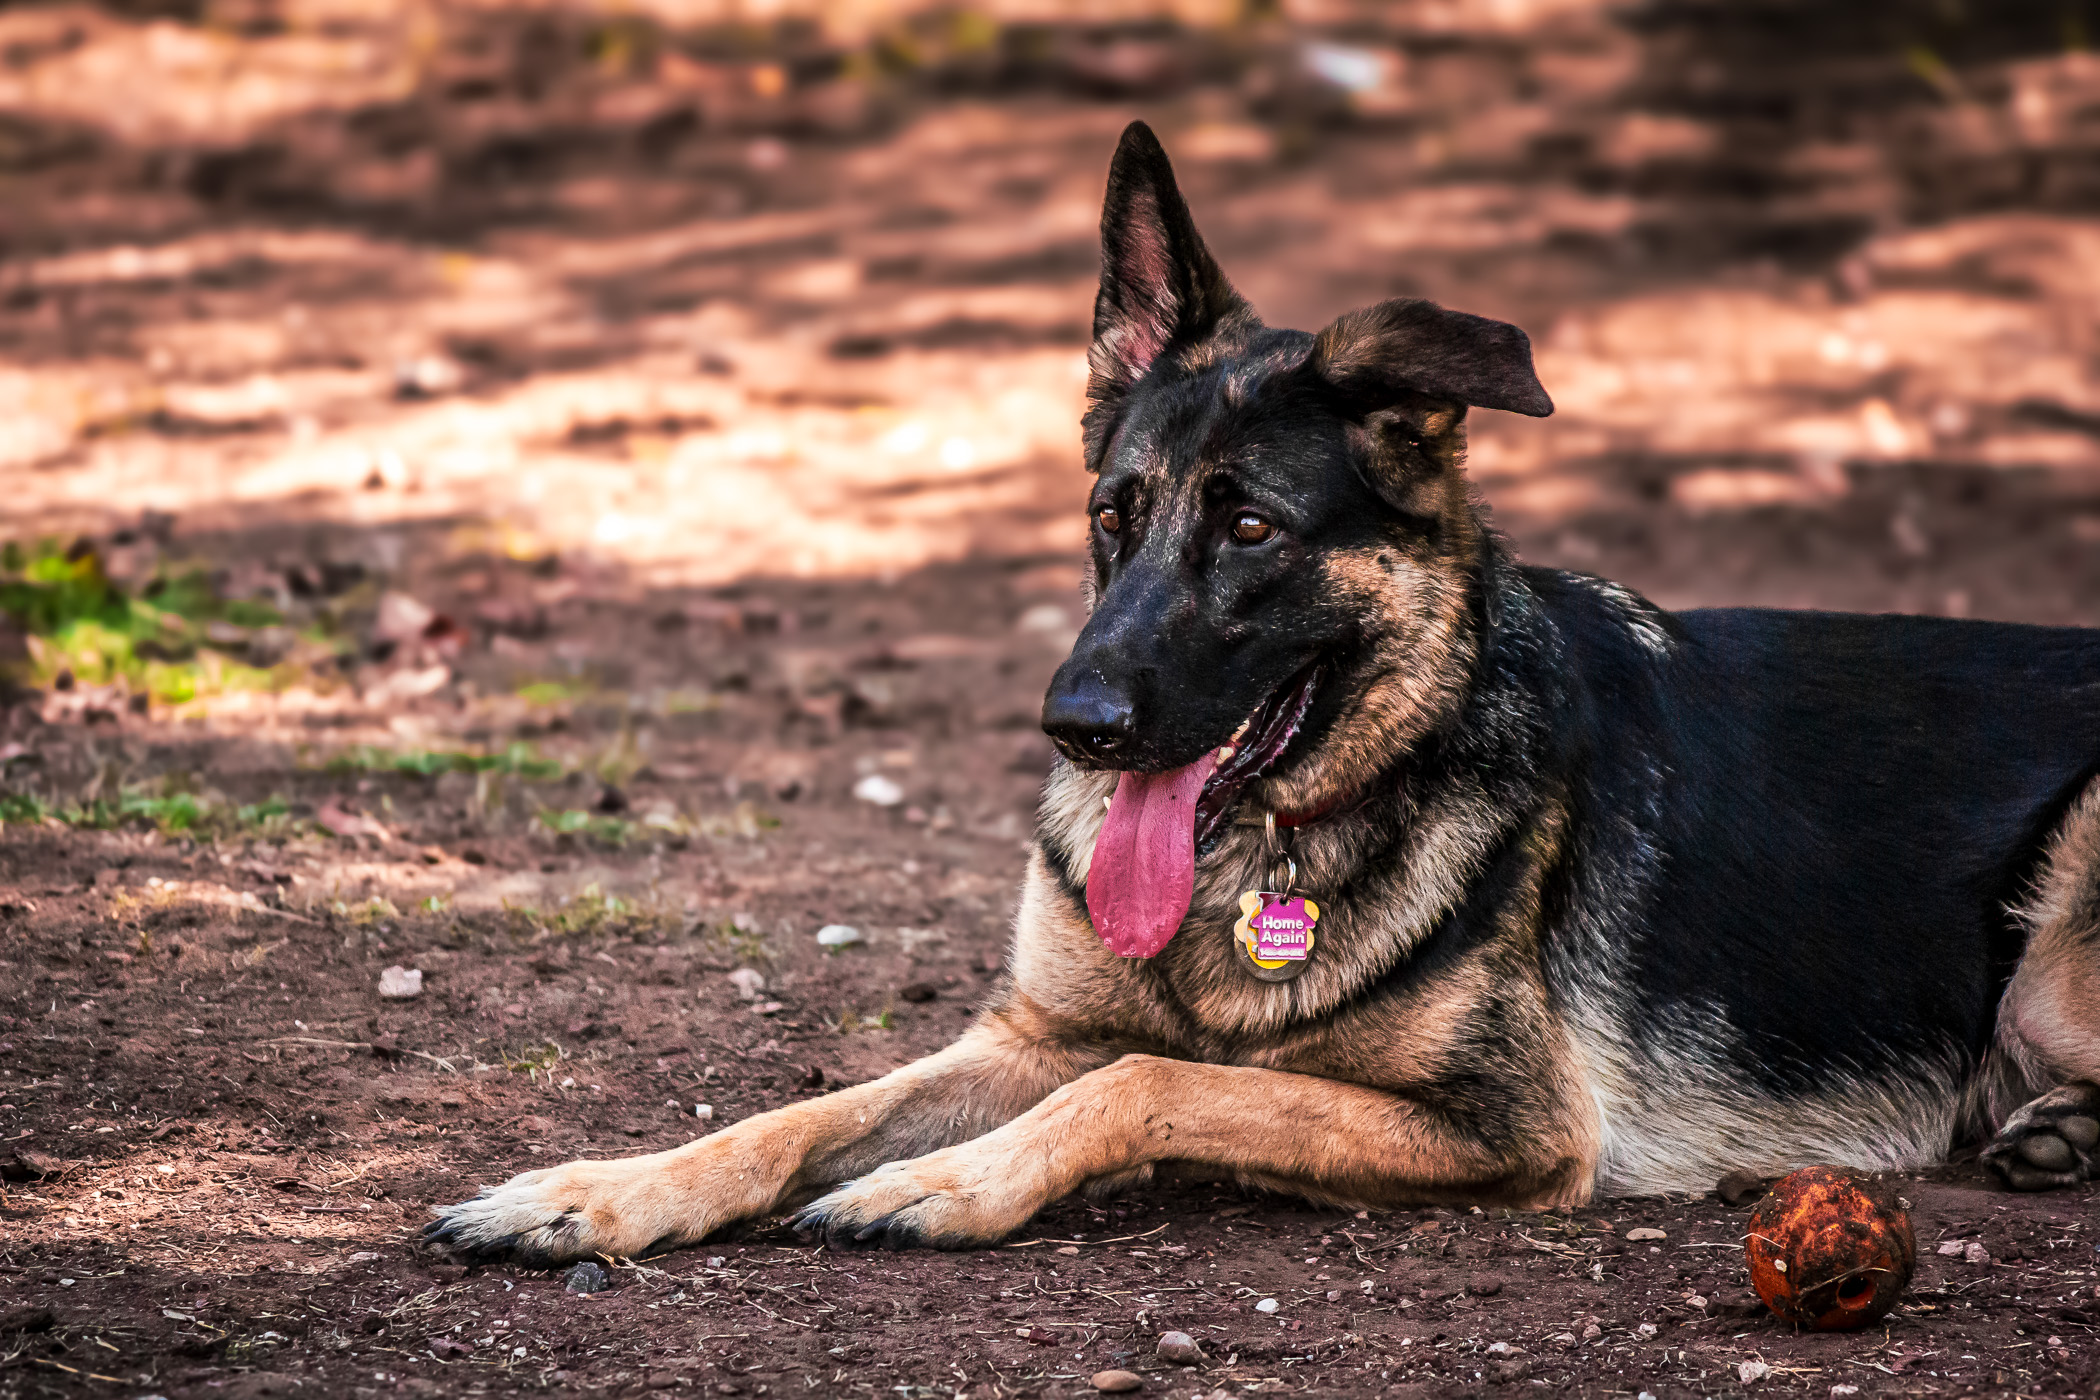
<point>713,289</point>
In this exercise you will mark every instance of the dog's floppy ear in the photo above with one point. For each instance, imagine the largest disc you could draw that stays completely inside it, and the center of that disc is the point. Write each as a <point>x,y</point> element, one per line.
<point>1160,288</point>
<point>1406,371</point>
<point>1381,355</point>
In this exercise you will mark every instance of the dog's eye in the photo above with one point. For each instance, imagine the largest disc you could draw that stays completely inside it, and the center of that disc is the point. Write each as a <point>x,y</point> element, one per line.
<point>1249,528</point>
<point>1111,519</point>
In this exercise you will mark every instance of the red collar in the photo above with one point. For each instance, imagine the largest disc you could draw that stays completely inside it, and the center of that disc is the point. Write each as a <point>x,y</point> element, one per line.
<point>1341,806</point>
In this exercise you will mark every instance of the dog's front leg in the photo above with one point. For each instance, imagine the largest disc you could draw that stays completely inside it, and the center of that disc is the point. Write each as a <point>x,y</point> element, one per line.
<point>635,1205</point>
<point>1326,1138</point>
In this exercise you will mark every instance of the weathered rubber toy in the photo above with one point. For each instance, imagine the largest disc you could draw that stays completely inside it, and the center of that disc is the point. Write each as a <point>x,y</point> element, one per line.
<point>1830,1249</point>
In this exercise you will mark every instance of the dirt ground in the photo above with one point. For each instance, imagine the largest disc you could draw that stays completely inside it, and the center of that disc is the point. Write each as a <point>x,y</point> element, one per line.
<point>646,457</point>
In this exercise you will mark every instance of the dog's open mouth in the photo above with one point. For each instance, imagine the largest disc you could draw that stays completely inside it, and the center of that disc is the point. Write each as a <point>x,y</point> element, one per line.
<point>1143,872</point>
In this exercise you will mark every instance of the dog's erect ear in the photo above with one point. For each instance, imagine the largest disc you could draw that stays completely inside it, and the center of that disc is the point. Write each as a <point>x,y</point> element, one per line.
<point>1384,354</point>
<point>1160,287</point>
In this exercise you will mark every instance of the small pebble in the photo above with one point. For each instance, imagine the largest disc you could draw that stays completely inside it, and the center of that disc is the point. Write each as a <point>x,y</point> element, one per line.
<point>838,936</point>
<point>1976,1254</point>
<point>748,983</point>
<point>1181,1349</point>
<point>400,983</point>
<point>881,791</point>
<point>1116,1382</point>
<point>1267,1305</point>
<point>586,1278</point>
<point>705,1112</point>
<point>1646,1232</point>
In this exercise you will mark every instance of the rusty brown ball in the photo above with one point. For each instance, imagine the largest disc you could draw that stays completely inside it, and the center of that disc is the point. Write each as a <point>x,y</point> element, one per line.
<point>1830,1249</point>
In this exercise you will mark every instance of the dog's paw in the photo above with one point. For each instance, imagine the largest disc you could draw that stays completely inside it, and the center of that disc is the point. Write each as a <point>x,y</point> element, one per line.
<point>945,1200</point>
<point>580,1210</point>
<point>2054,1141</point>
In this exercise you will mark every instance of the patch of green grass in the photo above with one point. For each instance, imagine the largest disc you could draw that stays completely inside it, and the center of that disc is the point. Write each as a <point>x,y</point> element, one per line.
<point>172,810</point>
<point>23,809</point>
<point>850,1021</point>
<point>516,760</point>
<point>688,702</point>
<point>536,1060</point>
<point>607,831</point>
<point>366,911</point>
<point>176,641</point>
<point>556,692</point>
<point>747,820</point>
<point>590,913</point>
<point>746,945</point>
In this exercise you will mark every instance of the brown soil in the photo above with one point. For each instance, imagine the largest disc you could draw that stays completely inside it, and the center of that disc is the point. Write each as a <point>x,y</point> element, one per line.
<point>745,449</point>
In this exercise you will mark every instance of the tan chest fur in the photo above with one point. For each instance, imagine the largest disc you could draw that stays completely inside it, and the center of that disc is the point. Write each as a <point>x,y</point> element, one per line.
<point>1194,998</point>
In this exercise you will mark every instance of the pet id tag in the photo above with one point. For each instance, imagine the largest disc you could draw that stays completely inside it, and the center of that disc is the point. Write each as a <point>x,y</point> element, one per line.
<point>1275,934</point>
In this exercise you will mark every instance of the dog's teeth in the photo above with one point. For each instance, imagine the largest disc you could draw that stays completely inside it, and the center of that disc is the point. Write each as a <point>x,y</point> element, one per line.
<point>1241,732</point>
<point>1225,754</point>
<point>1107,802</point>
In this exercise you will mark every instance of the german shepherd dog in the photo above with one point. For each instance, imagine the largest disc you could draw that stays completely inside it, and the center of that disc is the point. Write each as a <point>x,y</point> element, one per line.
<point>1600,898</point>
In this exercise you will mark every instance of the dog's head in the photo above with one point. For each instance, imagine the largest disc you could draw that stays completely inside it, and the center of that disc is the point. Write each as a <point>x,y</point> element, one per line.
<point>1282,540</point>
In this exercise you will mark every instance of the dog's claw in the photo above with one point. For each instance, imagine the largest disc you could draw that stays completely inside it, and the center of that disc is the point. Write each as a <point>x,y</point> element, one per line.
<point>884,1232</point>
<point>511,1222</point>
<point>897,1206</point>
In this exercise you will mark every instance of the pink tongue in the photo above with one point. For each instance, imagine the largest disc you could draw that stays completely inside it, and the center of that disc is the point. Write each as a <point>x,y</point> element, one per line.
<point>1144,868</point>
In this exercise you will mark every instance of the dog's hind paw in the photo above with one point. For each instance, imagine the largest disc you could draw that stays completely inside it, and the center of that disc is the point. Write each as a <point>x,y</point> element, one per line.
<point>2053,1141</point>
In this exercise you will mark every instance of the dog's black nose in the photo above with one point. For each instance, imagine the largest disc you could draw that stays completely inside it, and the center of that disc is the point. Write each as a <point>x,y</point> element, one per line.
<point>1088,720</point>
